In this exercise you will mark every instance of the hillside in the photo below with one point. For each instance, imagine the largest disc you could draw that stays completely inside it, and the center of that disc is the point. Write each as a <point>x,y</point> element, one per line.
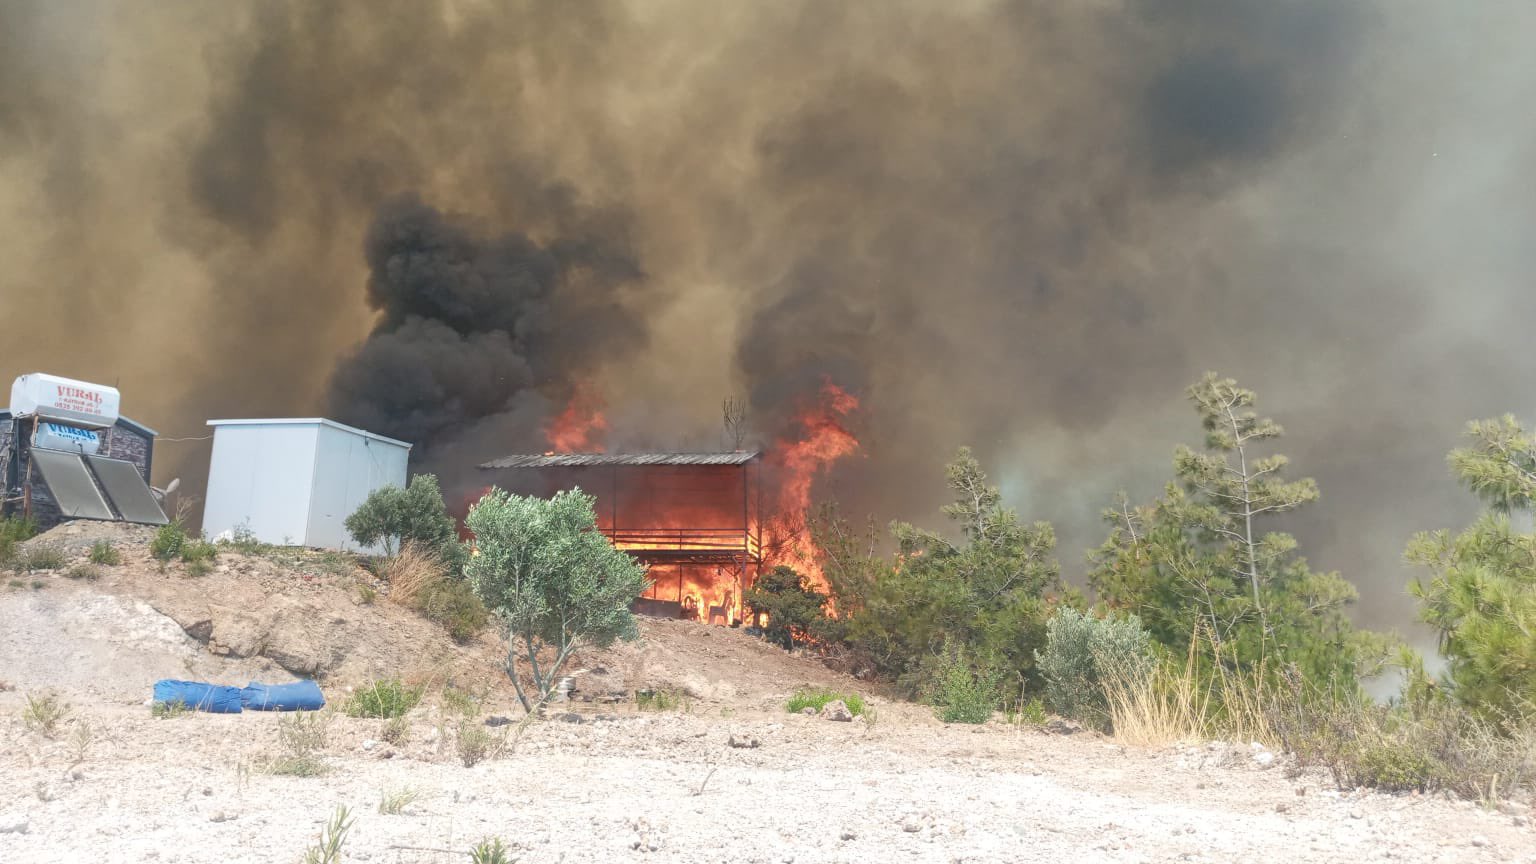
<point>726,775</point>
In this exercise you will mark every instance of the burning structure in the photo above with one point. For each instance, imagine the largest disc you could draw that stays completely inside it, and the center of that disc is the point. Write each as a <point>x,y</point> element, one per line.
<point>694,518</point>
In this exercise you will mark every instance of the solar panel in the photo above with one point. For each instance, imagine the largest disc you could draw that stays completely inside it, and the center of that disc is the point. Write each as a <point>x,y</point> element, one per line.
<point>71,485</point>
<point>125,486</point>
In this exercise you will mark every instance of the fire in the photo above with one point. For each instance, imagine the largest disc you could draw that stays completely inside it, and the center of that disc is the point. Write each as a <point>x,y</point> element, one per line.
<point>821,440</point>
<point>580,428</point>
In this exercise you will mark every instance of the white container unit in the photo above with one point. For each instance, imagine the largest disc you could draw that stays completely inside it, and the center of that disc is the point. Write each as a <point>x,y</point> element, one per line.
<point>295,481</point>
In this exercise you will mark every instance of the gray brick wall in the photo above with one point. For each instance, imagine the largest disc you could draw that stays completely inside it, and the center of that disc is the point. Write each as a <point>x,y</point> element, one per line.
<point>118,442</point>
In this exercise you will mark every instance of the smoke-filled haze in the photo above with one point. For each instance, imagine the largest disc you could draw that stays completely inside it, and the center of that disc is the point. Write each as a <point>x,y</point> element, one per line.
<point>1021,226</point>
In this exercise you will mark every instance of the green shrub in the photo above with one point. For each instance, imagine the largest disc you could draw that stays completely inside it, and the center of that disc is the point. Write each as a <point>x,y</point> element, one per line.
<point>195,549</point>
<point>659,700</point>
<point>474,743</point>
<point>965,693</point>
<point>396,730</point>
<point>298,766</point>
<point>13,531</point>
<point>366,594</point>
<point>383,699</point>
<point>460,702</point>
<point>490,851</point>
<point>1031,713</point>
<point>819,697</point>
<point>1083,654</point>
<point>243,540</point>
<point>1395,767</point>
<point>169,710</point>
<point>392,516</point>
<point>104,553</point>
<point>332,838</point>
<point>168,542</point>
<point>44,712</point>
<point>453,604</point>
<point>796,611</point>
<point>394,803</point>
<point>88,572</point>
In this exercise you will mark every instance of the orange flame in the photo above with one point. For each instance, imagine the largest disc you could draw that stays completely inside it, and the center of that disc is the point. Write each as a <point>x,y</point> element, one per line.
<point>821,441</point>
<point>581,426</point>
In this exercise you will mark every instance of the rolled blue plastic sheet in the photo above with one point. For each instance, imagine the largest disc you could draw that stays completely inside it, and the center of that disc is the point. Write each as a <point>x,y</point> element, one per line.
<point>213,698</point>
<point>298,696</point>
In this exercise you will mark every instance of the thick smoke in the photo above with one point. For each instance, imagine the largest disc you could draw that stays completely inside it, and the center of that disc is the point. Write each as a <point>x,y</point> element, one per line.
<point>1017,225</point>
<point>468,325</point>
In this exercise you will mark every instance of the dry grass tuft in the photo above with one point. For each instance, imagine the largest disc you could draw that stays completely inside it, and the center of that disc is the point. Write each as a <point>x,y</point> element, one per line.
<point>413,572</point>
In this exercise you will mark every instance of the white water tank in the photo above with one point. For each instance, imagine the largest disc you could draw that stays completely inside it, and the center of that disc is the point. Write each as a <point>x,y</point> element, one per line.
<point>78,403</point>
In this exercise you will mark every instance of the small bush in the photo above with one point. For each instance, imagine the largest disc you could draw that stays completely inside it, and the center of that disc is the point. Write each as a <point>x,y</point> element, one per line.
<point>394,803</point>
<point>43,556</point>
<point>303,735</point>
<point>1031,713</point>
<point>243,540</point>
<point>1396,767</point>
<point>199,568</point>
<point>167,542</point>
<point>44,712</point>
<point>332,837</point>
<point>452,603</point>
<point>304,732</point>
<point>366,594</point>
<point>490,851</point>
<point>392,516</point>
<point>195,549</point>
<point>462,703</point>
<point>796,610</point>
<point>396,730</point>
<point>659,700</point>
<point>298,766</point>
<point>384,699</point>
<point>169,710</point>
<point>105,554</point>
<point>12,532</point>
<point>819,697</point>
<point>963,693</point>
<point>88,572</point>
<point>474,743</point>
<point>1082,655</point>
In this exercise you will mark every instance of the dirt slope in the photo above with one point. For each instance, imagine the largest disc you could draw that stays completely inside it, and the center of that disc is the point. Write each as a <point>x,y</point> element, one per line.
<point>602,782</point>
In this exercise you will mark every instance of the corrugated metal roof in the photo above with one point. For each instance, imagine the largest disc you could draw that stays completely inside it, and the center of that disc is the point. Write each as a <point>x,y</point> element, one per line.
<point>586,460</point>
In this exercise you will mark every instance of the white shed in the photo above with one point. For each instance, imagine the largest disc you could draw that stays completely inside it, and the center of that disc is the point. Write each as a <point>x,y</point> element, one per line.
<point>295,481</point>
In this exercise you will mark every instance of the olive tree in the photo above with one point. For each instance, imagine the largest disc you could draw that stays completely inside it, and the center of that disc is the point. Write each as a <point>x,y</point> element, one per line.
<point>552,579</point>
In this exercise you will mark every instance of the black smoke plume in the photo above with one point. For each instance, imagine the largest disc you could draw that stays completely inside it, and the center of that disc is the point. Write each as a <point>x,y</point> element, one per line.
<point>468,325</point>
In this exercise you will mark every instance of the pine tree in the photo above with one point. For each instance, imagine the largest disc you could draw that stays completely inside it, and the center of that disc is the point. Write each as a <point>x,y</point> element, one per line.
<point>1481,593</point>
<point>1199,560</point>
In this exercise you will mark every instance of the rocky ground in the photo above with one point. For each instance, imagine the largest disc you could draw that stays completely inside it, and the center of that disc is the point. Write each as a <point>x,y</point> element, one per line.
<point>726,775</point>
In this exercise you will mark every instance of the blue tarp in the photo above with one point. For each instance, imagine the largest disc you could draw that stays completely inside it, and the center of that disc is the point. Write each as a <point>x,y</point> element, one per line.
<point>299,696</point>
<point>199,696</point>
